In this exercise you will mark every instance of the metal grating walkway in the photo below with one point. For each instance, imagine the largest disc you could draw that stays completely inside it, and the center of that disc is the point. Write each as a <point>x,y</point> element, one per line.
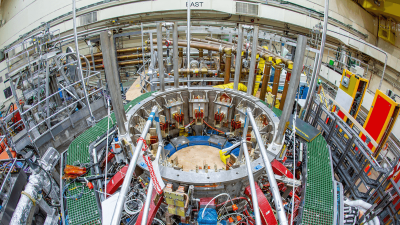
<point>318,200</point>
<point>85,210</point>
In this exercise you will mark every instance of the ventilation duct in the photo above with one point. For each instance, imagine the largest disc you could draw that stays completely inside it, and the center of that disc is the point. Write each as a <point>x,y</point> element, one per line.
<point>88,18</point>
<point>247,8</point>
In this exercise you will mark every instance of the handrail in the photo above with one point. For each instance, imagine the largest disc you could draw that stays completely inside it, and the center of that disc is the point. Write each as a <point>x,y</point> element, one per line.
<point>249,169</point>
<point>128,177</point>
<point>270,173</point>
<point>151,184</point>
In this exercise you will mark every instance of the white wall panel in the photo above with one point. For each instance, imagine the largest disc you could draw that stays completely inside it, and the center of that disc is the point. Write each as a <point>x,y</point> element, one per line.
<point>45,10</point>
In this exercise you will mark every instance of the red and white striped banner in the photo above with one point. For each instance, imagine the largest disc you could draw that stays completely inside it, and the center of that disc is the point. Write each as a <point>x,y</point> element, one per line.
<point>153,169</point>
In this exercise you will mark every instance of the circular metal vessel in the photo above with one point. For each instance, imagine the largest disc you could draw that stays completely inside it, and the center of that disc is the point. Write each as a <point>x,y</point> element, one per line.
<point>211,182</point>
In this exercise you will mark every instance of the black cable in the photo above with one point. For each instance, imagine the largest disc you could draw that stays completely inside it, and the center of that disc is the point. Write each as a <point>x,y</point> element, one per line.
<point>276,51</point>
<point>51,183</point>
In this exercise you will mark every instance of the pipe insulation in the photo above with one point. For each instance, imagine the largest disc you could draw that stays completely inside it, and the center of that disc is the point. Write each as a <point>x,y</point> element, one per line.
<point>31,196</point>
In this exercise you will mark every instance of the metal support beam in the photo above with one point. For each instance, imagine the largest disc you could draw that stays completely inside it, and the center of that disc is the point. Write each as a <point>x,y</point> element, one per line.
<point>309,96</point>
<point>188,40</point>
<point>267,71</point>
<point>151,185</point>
<point>142,77</point>
<point>176,57</point>
<point>321,53</point>
<point>285,88</point>
<point>112,76</point>
<point>277,76</point>
<point>80,71</point>
<point>250,172</point>
<point>250,83</point>
<point>270,173</point>
<point>128,178</point>
<point>160,56</point>
<point>228,60</point>
<point>152,59</point>
<point>238,62</point>
<point>294,83</point>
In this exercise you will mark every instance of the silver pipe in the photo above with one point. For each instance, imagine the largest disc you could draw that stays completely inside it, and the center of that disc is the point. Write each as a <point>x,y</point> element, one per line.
<point>56,113</point>
<point>61,188</point>
<point>244,138</point>
<point>159,134</point>
<point>96,168</point>
<point>151,186</point>
<point>270,173</point>
<point>312,78</point>
<point>79,58</point>
<point>293,85</point>
<point>104,138</point>
<point>151,53</point>
<point>372,46</point>
<point>238,58</point>
<point>25,204</point>
<point>127,181</point>
<point>253,61</point>
<point>4,184</point>
<point>160,56</point>
<point>92,56</point>
<point>176,57</point>
<point>232,147</point>
<point>188,40</point>
<point>250,174</point>
<point>141,78</point>
<point>37,181</point>
<point>321,54</point>
<point>47,94</point>
<point>55,93</point>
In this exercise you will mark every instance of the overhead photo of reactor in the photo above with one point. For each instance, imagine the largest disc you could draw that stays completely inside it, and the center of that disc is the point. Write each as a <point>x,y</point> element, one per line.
<point>211,112</point>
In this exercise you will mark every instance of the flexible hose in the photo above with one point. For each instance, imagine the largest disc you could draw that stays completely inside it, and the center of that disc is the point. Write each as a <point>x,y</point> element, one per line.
<point>133,212</point>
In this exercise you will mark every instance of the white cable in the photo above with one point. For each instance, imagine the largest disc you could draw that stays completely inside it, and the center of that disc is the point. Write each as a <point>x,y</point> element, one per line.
<point>133,212</point>
<point>108,127</point>
<point>160,221</point>
<point>202,214</point>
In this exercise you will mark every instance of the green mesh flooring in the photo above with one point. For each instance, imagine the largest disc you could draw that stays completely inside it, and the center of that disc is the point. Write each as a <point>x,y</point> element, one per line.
<point>85,210</point>
<point>277,111</point>
<point>318,205</point>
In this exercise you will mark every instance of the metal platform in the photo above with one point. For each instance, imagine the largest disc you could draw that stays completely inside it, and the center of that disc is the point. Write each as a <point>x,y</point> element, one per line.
<point>83,210</point>
<point>318,206</point>
<point>318,200</point>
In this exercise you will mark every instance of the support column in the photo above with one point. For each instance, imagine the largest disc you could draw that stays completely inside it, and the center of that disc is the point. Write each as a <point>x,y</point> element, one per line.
<point>228,56</point>
<point>294,83</point>
<point>180,50</point>
<point>238,66</point>
<point>111,71</point>
<point>160,57</point>
<point>285,89</point>
<point>267,71</point>
<point>321,54</point>
<point>176,59</point>
<point>311,92</point>
<point>253,60</point>
<point>221,64</point>
<point>189,37</point>
<point>277,76</point>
